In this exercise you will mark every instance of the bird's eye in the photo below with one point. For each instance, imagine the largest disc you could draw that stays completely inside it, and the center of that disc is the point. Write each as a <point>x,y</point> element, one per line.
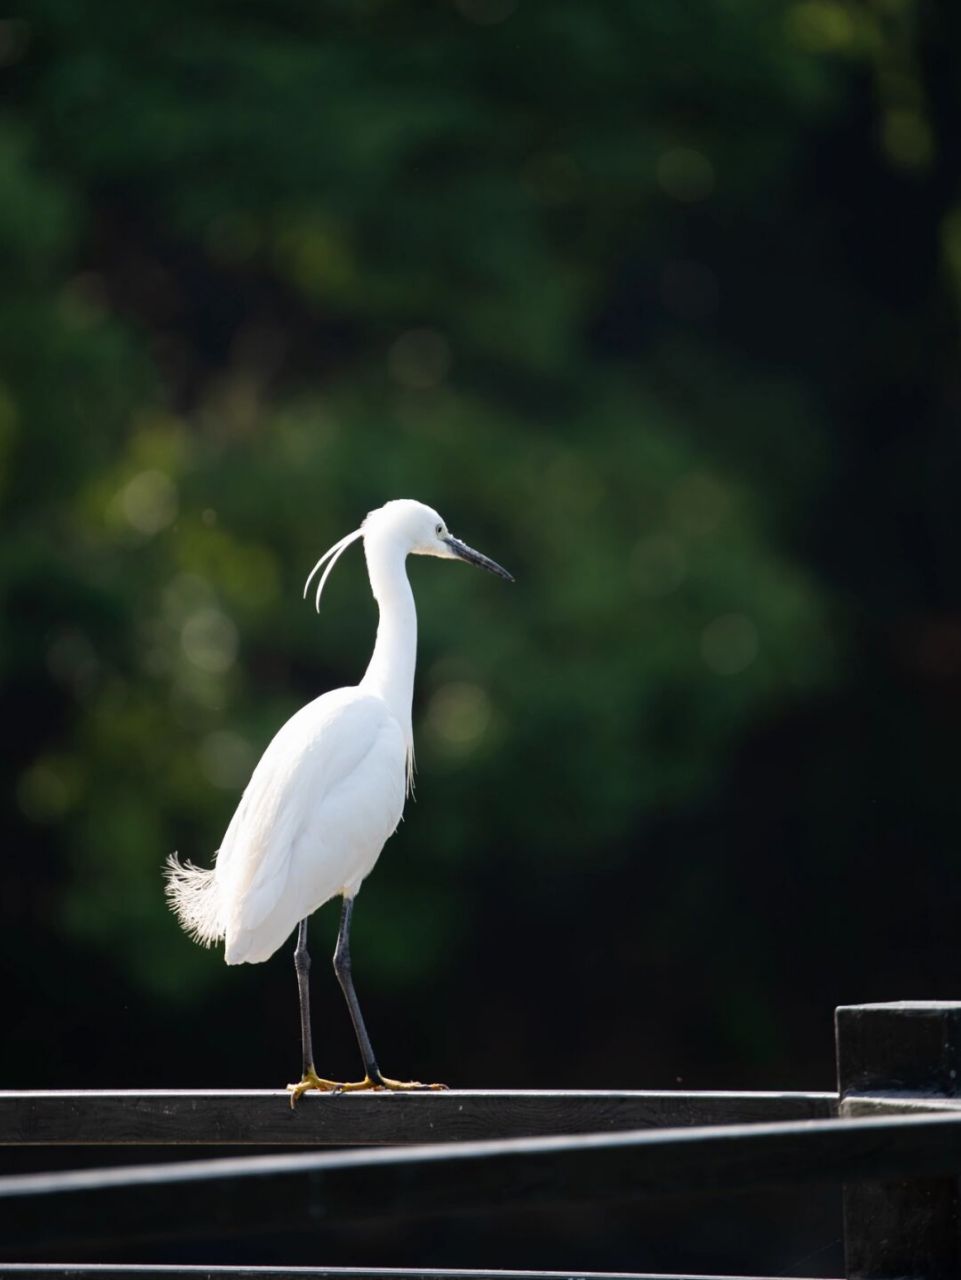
<point>439,530</point>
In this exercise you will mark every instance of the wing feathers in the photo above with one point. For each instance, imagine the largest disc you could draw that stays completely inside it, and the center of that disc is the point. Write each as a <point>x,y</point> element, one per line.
<point>324,798</point>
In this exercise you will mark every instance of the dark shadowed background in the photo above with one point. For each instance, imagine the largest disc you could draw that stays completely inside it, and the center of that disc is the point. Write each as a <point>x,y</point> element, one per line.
<point>657,303</point>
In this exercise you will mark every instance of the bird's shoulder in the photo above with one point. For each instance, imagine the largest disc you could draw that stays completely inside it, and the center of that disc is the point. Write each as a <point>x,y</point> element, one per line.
<point>330,736</point>
<point>339,712</point>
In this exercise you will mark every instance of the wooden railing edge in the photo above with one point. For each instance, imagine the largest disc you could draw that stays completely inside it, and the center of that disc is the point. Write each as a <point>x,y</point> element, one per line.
<point>212,1117</point>
<point>108,1271</point>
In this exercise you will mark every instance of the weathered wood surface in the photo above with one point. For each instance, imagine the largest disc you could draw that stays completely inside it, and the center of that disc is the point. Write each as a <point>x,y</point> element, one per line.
<point>908,1045</point>
<point>100,1271</point>
<point>896,1104</point>
<point>906,1225</point>
<point>209,1117</point>
<point>304,1191</point>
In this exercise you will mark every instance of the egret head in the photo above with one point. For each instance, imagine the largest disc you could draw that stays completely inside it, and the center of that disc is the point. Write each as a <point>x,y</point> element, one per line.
<point>414,529</point>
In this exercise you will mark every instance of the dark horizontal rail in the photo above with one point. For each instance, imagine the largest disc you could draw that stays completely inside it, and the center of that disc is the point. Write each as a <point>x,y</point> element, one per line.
<point>209,1117</point>
<point>897,1104</point>
<point>213,1197</point>
<point>107,1271</point>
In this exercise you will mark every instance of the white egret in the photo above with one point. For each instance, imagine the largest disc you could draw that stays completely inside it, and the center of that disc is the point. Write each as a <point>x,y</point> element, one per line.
<point>327,793</point>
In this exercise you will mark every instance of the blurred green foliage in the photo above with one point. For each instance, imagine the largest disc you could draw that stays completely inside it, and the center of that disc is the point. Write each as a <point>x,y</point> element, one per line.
<point>543,267</point>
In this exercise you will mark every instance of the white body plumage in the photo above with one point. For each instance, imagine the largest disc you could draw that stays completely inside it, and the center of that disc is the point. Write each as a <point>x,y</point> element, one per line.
<point>324,799</point>
<point>329,790</point>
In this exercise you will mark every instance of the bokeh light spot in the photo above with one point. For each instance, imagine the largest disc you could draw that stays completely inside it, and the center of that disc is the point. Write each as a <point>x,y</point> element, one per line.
<point>313,254</point>
<point>574,482</point>
<point>685,174</point>
<point>209,640</point>
<point>84,300</point>
<point>698,503</point>
<point>46,791</point>
<point>821,26</point>
<point>149,501</point>
<point>419,359</point>
<point>729,644</point>
<point>906,138</point>
<point>184,594</point>
<point>458,715</point>
<point>226,759</point>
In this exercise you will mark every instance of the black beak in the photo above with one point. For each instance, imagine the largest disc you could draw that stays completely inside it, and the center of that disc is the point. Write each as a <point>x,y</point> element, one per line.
<point>464,552</point>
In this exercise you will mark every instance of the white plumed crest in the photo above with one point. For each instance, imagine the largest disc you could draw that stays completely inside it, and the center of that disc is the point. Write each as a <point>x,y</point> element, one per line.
<point>333,554</point>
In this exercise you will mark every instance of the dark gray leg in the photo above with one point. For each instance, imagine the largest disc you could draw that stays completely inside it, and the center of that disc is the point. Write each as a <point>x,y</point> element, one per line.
<point>302,967</point>
<point>342,970</point>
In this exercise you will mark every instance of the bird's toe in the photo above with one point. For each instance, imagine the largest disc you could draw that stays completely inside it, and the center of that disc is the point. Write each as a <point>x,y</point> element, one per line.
<point>406,1086</point>
<point>311,1082</point>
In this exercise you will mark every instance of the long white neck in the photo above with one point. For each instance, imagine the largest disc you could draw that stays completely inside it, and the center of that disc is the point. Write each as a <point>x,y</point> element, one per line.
<point>390,673</point>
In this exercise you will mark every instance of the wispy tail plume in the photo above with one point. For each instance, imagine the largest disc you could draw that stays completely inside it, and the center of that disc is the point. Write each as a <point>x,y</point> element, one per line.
<point>193,896</point>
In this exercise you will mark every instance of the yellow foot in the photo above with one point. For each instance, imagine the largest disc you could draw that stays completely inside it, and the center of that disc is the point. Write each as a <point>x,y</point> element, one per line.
<point>385,1082</point>
<point>313,1081</point>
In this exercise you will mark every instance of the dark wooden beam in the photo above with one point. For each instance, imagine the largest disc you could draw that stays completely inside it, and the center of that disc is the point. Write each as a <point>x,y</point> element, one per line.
<point>304,1191</point>
<point>208,1117</point>
<point>101,1271</point>
<point>901,1223</point>
<point>896,1104</point>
